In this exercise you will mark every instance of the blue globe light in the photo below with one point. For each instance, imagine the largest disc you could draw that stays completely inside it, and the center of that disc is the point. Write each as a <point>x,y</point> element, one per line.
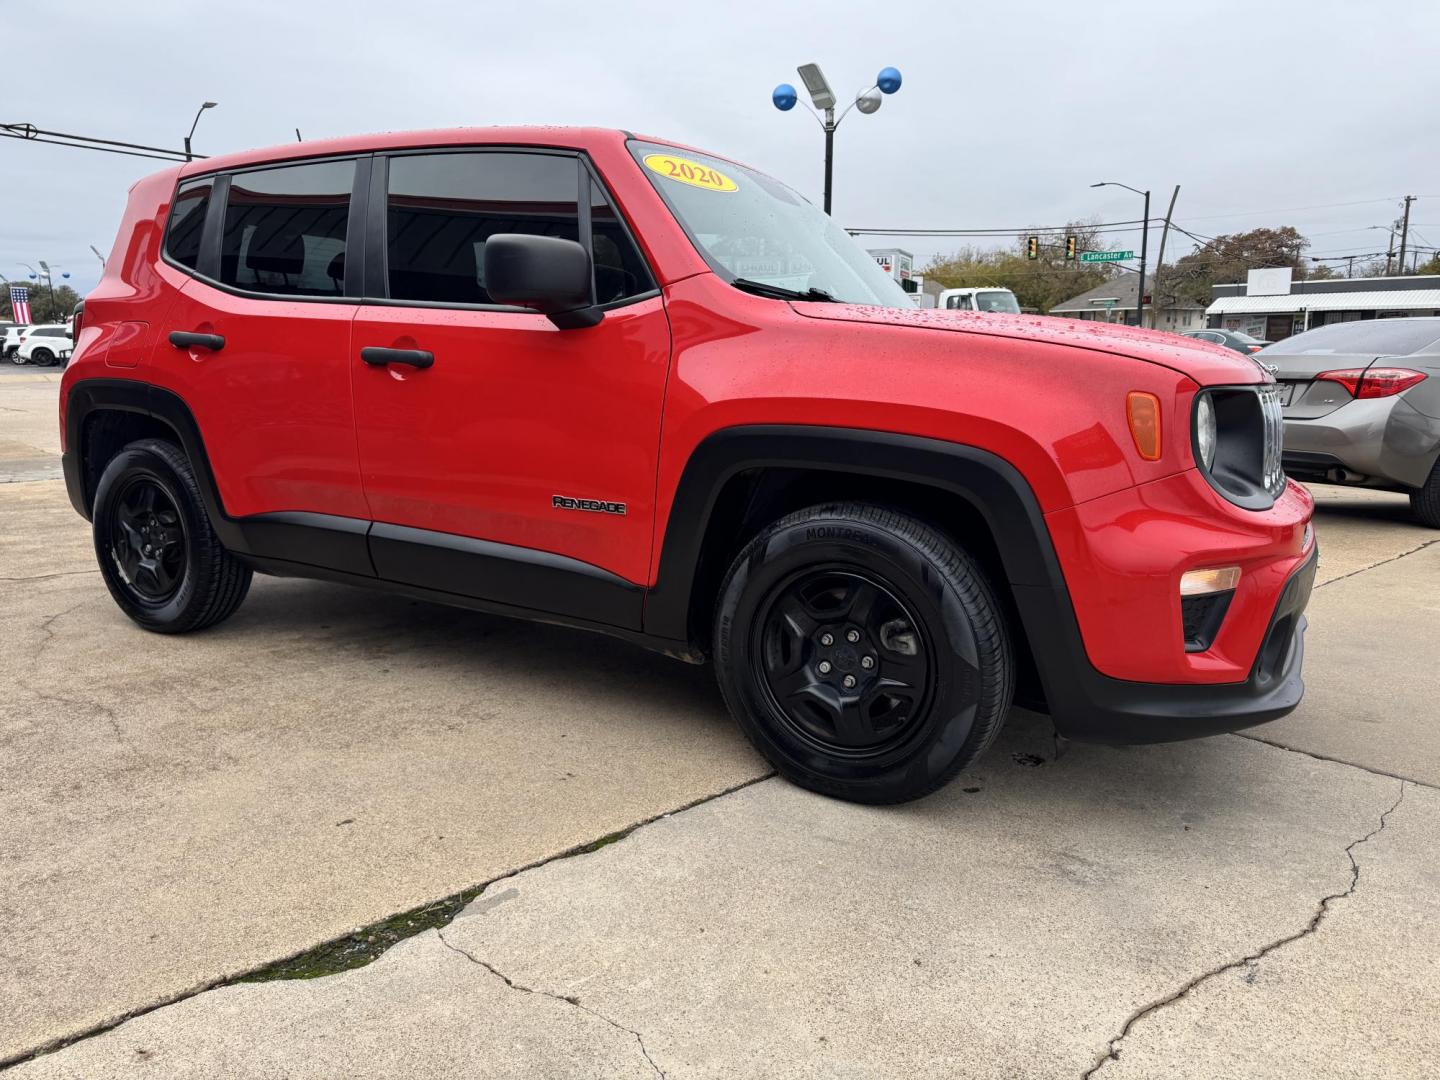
<point>65,273</point>
<point>34,277</point>
<point>784,97</point>
<point>888,80</point>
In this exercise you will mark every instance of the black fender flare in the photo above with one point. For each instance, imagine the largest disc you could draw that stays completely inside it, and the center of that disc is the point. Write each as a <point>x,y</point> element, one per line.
<point>989,483</point>
<point>335,542</point>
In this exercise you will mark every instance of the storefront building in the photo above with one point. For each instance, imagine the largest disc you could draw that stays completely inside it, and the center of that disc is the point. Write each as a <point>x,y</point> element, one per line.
<point>1270,305</point>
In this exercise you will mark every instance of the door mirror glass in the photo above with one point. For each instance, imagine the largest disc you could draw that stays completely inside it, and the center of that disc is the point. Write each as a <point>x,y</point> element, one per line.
<point>542,273</point>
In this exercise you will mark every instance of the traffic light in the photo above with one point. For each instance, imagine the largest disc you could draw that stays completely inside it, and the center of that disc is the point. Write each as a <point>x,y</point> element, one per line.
<point>1032,247</point>
<point>1070,245</point>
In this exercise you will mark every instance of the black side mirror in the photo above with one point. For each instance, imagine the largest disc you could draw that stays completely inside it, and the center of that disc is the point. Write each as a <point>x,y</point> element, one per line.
<point>542,273</point>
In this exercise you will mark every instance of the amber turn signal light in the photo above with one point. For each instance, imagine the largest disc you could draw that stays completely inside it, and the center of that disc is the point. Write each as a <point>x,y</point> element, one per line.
<point>1144,412</point>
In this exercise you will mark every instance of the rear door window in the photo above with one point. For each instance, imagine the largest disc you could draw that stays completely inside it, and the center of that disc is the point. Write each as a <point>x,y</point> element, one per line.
<point>285,229</point>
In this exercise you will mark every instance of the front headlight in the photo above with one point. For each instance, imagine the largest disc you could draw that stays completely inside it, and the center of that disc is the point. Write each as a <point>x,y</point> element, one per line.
<point>1237,437</point>
<point>1205,431</point>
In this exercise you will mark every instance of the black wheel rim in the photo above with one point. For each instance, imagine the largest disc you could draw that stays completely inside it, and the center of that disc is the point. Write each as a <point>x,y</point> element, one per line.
<point>844,662</point>
<point>147,539</point>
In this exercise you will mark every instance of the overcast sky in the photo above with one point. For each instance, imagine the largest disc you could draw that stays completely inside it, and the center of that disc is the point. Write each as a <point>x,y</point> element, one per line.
<point>1267,112</point>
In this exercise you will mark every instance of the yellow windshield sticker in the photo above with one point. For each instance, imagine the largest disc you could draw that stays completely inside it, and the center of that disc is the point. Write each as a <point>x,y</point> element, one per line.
<point>689,172</point>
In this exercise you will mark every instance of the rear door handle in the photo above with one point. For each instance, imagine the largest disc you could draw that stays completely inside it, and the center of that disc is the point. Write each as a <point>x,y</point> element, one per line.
<point>183,340</point>
<point>416,358</point>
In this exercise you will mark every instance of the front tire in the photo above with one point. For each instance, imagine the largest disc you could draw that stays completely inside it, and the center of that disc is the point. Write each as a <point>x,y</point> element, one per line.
<point>1425,503</point>
<point>43,357</point>
<point>161,560</point>
<point>862,652</point>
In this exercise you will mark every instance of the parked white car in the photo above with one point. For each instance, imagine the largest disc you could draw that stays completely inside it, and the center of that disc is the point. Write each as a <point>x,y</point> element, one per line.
<point>10,338</point>
<point>44,344</point>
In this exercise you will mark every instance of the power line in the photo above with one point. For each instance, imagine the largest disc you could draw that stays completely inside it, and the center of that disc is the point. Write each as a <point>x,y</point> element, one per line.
<point>30,133</point>
<point>1071,226</point>
<point>1293,209</point>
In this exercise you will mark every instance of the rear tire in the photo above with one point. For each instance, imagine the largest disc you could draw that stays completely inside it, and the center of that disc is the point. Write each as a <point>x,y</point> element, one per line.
<point>43,357</point>
<point>1425,503</point>
<point>862,652</point>
<point>161,560</point>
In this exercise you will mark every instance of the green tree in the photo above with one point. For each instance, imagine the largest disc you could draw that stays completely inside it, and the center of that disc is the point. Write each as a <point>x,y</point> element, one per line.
<point>1229,258</point>
<point>43,309</point>
<point>1038,284</point>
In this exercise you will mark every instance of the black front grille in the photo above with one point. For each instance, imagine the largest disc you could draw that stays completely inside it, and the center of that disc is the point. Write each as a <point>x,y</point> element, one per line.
<point>1201,617</point>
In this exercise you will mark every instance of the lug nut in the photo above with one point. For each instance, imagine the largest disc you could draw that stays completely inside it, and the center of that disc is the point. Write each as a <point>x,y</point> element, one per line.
<point>848,682</point>
<point>824,667</point>
<point>827,639</point>
<point>852,636</point>
<point>867,662</point>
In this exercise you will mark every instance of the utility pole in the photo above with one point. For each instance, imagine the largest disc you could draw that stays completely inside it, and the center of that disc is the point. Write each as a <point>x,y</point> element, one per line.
<point>1160,258</point>
<point>1144,242</point>
<point>1350,266</point>
<point>1405,230</point>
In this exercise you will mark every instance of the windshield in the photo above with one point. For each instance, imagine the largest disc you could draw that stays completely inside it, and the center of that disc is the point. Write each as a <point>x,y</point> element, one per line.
<point>997,300</point>
<point>753,228</point>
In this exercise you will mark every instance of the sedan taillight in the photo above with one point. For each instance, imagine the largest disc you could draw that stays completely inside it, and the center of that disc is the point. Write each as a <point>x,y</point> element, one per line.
<point>1374,383</point>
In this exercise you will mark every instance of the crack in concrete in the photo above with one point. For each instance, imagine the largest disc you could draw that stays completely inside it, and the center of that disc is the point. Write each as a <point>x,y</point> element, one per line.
<point>1251,961</point>
<point>104,710</point>
<point>47,577</point>
<point>566,998</point>
<point>47,622</point>
<point>1334,760</point>
<point>247,975</point>
<point>1382,562</point>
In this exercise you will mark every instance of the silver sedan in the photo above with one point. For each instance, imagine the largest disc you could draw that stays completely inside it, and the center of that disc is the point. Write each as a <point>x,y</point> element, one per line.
<point>1362,406</point>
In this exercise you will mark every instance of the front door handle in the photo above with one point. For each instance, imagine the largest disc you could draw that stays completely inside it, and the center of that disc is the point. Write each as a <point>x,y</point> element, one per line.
<point>416,358</point>
<point>183,340</point>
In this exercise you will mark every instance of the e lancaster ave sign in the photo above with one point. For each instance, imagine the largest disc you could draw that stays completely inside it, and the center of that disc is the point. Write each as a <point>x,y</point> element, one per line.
<point>1106,256</point>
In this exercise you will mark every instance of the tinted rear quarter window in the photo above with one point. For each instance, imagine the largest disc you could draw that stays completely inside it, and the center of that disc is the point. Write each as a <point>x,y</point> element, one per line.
<point>285,229</point>
<point>187,221</point>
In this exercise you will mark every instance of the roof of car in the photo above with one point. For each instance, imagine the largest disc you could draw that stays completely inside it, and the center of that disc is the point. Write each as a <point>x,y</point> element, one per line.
<point>578,138</point>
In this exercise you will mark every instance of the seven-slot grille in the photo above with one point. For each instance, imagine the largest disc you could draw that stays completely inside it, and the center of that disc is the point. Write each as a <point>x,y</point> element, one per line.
<point>1274,420</point>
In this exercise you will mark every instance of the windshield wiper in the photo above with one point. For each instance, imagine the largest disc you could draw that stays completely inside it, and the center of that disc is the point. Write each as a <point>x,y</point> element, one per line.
<point>779,292</point>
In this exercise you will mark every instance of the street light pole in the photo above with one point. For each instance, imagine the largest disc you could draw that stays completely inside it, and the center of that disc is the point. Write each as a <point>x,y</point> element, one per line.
<point>785,97</point>
<point>50,281</point>
<point>207,105</point>
<point>1144,245</point>
<point>829,154</point>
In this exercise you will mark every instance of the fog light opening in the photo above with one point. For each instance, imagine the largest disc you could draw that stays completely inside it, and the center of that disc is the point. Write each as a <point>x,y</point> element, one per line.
<point>1204,582</point>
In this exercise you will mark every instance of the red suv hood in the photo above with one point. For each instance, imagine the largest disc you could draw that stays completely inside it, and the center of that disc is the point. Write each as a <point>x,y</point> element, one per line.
<point>1207,364</point>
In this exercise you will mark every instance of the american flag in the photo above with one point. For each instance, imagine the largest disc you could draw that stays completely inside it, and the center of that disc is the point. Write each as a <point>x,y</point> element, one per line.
<point>20,304</point>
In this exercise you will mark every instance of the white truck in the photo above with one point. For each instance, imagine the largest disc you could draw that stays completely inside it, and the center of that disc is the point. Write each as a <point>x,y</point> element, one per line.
<point>986,298</point>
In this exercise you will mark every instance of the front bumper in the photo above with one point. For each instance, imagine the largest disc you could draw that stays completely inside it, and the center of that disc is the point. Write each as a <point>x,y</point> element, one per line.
<point>1090,707</point>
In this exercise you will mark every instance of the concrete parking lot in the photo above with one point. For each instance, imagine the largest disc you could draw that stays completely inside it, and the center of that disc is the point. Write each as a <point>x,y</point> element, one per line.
<point>595,876</point>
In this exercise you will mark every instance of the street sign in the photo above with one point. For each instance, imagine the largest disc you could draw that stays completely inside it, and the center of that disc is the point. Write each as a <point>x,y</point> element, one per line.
<point>1106,256</point>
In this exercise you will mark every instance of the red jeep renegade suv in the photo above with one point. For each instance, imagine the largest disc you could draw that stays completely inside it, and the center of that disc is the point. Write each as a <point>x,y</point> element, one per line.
<point>607,381</point>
